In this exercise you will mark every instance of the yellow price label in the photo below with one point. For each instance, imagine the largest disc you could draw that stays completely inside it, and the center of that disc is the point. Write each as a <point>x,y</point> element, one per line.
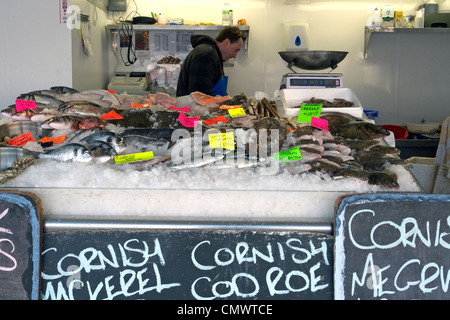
<point>237,112</point>
<point>134,157</point>
<point>222,140</point>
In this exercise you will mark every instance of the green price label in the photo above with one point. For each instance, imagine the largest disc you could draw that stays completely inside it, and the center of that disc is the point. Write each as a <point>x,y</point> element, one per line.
<point>288,155</point>
<point>309,110</point>
<point>133,157</point>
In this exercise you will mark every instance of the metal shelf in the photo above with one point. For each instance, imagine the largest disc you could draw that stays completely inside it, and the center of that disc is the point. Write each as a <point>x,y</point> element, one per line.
<point>157,27</point>
<point>175,27</point>
<point>368,33</point>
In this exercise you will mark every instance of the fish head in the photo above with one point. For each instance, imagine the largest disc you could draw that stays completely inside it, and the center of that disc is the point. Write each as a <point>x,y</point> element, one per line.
<point>82,154</point>
<point>117,143</point>
<point>9,111</point>
<point>90,122</point>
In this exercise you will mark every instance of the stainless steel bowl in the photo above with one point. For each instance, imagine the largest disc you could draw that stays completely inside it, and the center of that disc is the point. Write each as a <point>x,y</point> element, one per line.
<point>10,154</point>
<point>313,60</point>
<point>15,128</point>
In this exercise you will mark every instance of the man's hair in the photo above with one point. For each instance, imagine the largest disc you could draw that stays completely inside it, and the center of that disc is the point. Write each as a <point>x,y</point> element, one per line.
<point>232,33</point>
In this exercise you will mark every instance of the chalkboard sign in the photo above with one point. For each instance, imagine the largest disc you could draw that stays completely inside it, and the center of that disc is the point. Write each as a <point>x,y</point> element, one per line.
<point>188,265</point>
<point>20,246</point>
<point>392,246</point>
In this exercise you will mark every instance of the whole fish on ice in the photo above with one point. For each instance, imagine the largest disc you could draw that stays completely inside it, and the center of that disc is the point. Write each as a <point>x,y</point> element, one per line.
<point>74,122</point>
<point>347,126</point>
<point>41,99</point>
<point>101,151</point>
<point>111,138</point>
<point>70,152</point>
<point>63,90</point>
<point>105,96</point>
<point>83,107</point>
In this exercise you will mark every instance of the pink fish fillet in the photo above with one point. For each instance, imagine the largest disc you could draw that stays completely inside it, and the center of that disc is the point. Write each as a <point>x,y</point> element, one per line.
<point>205,99</point>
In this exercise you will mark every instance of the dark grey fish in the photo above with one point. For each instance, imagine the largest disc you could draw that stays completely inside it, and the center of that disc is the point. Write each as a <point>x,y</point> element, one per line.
<point>63,90</point>
<point>43,99</point>
<point>111,138</point>
<point>384,178</point>
<point>325,164</point>
<point>160,147</point>
<point>101,151</point>
<point>101,144</point>
<point>385,149</point>
<point>375,161</point>
<point>351,164</point>
<point>162,133</point>
<point>159,141</point>
<point>46,92</point>
<point>360,174</point>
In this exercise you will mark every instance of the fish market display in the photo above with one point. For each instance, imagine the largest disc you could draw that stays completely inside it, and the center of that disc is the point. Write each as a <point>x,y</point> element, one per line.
<point>200,132</point>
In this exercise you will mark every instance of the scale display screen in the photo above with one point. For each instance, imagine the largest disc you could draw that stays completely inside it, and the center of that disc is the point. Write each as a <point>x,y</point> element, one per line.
<point>326,83</point>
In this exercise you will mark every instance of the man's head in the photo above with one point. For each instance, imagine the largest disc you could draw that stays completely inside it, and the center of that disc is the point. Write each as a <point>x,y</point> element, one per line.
<point>230,40</point>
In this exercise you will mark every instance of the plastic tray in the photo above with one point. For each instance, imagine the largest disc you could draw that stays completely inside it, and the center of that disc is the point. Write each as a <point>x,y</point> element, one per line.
<point>295,97</point>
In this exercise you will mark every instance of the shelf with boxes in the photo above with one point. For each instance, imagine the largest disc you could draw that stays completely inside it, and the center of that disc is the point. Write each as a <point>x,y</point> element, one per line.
<point>368,32</point>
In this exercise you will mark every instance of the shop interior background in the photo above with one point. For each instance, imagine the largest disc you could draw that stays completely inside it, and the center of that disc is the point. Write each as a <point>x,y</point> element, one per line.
<point>405,76</point>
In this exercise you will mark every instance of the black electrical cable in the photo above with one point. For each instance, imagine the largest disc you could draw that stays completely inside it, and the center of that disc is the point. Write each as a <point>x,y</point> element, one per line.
<point>126,31</point>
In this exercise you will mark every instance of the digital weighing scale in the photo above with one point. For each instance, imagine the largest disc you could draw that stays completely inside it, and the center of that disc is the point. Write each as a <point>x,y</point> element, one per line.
<point>129,82</point>
<point>311,80</point>
<point>312,60</point>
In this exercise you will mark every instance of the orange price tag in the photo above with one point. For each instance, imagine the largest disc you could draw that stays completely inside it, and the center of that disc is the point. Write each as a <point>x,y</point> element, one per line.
<point>59,139</point>
<point>140,105</point>
<point>21,139</point>
<point>216,120</point>
<point>111,115</point>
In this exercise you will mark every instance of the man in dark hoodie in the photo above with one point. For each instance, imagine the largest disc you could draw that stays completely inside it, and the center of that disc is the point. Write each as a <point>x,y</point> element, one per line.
<point>202,70</point>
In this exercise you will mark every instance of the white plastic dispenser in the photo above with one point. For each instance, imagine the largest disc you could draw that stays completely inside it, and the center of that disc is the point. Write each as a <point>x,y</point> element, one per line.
<point>295,36</point>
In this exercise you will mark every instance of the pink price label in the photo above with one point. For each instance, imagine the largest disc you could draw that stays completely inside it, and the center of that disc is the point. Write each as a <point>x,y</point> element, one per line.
<point>184,109</point>
<point>189,122</point>
<point>22,105</point>
<point>319,123</point>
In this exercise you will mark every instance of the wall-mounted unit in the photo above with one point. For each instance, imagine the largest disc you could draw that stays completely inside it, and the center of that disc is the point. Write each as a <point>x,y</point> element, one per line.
<point>117,5</point>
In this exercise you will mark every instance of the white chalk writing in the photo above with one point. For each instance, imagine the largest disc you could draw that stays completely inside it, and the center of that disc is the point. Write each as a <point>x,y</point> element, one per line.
<point>137,264</point>
<point>409,272</point>
<point>132,268</point>
<point>6,250</point>
<point>277,280</point>
<point>408,232</point>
